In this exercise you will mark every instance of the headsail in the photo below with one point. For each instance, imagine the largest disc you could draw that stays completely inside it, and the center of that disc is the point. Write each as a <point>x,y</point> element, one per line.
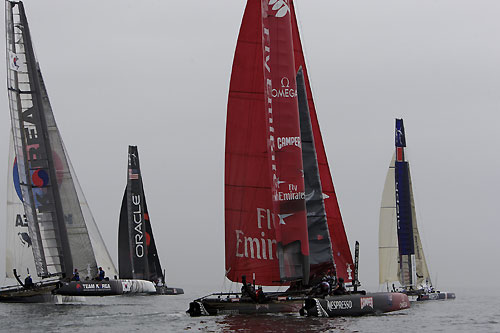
<point>388,252</point>
<point>341,250</point>
<point>264,188</point>
<point>320,247</point>
<point>137,254</point>
<point>55,220</point>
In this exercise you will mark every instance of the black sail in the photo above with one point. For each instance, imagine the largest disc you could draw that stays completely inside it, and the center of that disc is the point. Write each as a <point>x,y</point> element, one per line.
<point>320,247</point>
<point>124,253</point>
<point>137,254</point>
<point>155,270</point>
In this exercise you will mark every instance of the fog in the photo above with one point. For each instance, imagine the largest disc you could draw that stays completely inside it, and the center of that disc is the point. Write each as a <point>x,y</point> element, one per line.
<point>156,74</point>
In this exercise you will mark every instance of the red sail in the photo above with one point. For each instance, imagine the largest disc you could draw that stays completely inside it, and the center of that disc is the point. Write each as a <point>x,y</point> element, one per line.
<point>341,251</point>
<point>253,160</point>
<point>284,143</point>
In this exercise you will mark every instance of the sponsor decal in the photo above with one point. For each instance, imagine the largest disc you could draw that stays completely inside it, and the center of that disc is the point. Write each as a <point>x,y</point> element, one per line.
<point>25,239</point>
<point>125,286</point>
<point>95,286</point>
<point>339,305</point>
<point>137,217</point>
<point>284,91</point>
<point>235,299</point>
<point>403,305</point>
<point>280,6</point>
<point>258,247</point>
<point>366,302</point>
<point>282,298</point>
<point>288,141</point>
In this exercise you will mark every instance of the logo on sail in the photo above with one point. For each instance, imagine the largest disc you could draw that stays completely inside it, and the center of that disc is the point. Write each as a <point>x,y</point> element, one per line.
<point>280,6</point>
<point>14,61</point>
<point>25,239</point>
<point>285,90</point>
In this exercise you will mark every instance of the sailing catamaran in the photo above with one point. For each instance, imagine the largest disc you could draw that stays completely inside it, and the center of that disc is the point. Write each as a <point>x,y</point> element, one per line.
<point>283,223</point>
<point>55,224</point>
<point>137,254</point>
<point>401,256</point>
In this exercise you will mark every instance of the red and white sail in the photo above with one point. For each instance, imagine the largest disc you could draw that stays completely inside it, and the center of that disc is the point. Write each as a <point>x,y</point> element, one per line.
<point>264,188</point>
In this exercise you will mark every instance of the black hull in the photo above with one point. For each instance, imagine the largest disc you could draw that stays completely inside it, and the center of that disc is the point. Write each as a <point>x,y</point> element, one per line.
<point>211,306</point>
<point>355,304</point>
<point>106,288</point>
<point>436,296</point>
<point>169,291</point>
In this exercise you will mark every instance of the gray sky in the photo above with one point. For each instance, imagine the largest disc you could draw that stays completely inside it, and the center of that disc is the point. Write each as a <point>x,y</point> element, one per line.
<point>156,74</point>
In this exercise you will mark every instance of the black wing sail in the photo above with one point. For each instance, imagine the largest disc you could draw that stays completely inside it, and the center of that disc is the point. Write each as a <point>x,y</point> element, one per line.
<point>124,253</point>
<point>320,247</point>
<point>135,214</point>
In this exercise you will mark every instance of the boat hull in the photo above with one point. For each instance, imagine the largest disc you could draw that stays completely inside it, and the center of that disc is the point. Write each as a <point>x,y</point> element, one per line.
<point>39,294</point>
<point>106,288</point>
<point>220,306</point>
<point>161,290</point>
<point>355,304</point>
<point>436,296</point>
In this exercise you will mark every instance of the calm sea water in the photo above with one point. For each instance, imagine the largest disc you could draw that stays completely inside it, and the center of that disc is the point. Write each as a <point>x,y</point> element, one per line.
<point>472,311</point>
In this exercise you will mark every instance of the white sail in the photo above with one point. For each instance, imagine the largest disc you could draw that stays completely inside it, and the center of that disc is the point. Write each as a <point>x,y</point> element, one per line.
<point>101,253</point>
<point>18,254</point>
<point>388,237</point>
<point>422,272</point>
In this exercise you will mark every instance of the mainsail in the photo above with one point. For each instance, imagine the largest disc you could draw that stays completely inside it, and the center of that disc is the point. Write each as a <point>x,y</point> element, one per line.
<point>340,245</point>
<point>19,255</point>
<point>137,254</point>
<point>265,210</point>
<point>51,195</point>
<point>401,256</point>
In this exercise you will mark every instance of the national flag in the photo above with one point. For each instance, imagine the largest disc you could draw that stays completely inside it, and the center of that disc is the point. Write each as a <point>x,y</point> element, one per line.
<point>133,174</point>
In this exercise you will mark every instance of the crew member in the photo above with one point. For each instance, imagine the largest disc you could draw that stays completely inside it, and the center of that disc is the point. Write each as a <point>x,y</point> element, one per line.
<point>76,276</point>
<point>100,275</point>
<point>28,282</point>
<point>340,288</point>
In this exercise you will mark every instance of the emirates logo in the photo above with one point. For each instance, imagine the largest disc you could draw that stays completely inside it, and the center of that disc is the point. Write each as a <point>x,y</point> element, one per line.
<point>281,6</point>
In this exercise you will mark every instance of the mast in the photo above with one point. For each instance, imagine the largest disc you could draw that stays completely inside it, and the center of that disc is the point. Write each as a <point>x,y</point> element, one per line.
<point>404,211</point>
